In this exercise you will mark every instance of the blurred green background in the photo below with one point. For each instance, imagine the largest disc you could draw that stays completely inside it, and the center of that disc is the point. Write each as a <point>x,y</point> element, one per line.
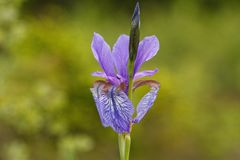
<point>47,111</point>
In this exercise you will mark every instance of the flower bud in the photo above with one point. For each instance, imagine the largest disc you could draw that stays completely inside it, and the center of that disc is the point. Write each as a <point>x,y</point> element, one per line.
<point>134,34</point>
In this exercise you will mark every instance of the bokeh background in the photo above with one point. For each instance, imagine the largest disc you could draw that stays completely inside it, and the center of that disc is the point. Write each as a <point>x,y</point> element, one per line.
<point>47,111</point>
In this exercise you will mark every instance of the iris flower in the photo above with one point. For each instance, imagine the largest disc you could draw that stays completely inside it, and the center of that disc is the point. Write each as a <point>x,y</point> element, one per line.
<point>121,73</point>
<point>111,95</point>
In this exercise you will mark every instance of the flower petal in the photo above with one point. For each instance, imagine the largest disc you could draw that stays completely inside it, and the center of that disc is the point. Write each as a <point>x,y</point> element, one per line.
<point>114,80</point>
<point>147,101</point>
<point>114,107</point>
<point>96,91</point>
<point>148,48</point>
<point>102,54</point>
<point>99,74</point>
<point>117,110</point>
<point>120,55</point>
<point>145,73</point>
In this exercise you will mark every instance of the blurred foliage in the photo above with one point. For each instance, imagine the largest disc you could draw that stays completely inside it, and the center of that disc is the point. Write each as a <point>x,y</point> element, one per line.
<point>16,151</point>
<point>72,145</point>
<point>46,108</point>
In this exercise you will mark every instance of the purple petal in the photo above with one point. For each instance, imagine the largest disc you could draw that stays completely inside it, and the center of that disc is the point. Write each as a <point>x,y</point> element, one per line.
<point>99,74</point>
<point>145,73</point>
<point>148,48</point>
<point>96,91</point>
<point>145,104</point>
<point>120,55</point>
<point>102,53</point>
<point>114,80</point>
<point>117,110</point>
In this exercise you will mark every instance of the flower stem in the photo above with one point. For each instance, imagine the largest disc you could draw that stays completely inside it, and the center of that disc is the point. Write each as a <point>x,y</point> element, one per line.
<point>127,146</point>
<point>121,143</point>
<point>124,142</point>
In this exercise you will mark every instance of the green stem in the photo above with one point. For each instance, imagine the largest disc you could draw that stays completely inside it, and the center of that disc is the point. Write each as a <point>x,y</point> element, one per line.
<point>121,143</point>
<point>127,146</point>
<point>124,141</point>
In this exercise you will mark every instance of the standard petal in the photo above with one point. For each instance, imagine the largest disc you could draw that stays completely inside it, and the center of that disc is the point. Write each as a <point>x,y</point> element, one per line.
<point>102,53</point>
<point>96,92</point>
<point>120,55</point>
<point>117,109</point>
<point>145,73</point>
<point>148,48</point>
<point>147,101</point>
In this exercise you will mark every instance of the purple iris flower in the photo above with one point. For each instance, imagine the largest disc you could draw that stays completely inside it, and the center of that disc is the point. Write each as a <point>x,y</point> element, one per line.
<point>113,105</point>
